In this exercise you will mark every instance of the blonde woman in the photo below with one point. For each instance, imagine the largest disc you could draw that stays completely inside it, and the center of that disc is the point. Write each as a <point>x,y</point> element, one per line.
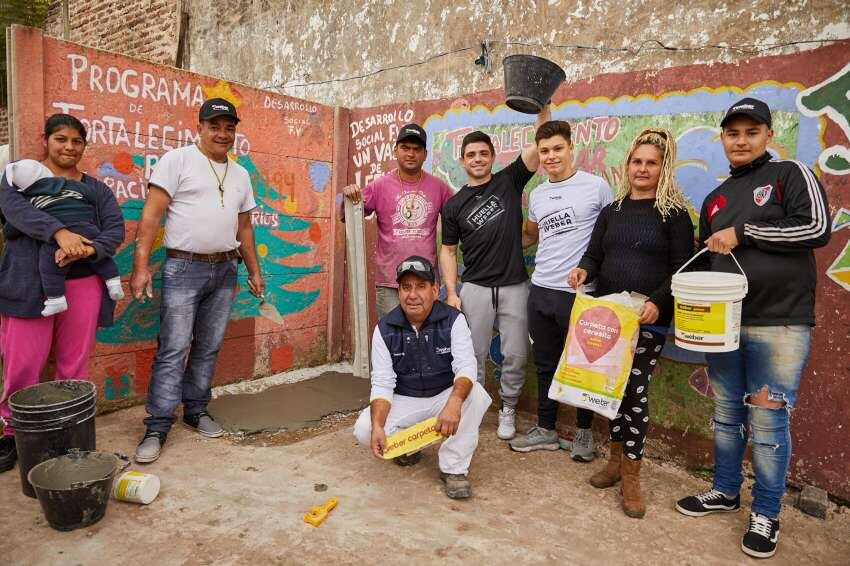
<point>638,242</point>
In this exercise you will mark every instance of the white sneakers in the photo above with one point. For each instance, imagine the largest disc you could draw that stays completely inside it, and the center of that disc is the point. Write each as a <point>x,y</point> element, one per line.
<point>507,423</point>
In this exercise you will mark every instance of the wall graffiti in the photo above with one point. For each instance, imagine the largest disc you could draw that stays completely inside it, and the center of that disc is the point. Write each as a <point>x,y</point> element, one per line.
<point>832,99</point>
<point>134,112</point>
<point>839,270</point>
<point>372,141</point>
<point>604,128</point>
<point>808,93</point>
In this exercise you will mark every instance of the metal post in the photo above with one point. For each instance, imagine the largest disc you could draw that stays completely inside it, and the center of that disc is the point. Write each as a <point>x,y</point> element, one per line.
<point>355,244</point>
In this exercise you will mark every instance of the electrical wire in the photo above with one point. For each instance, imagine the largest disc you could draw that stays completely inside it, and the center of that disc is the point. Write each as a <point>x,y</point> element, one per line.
<point>280,86</point>
<point>645,46</point>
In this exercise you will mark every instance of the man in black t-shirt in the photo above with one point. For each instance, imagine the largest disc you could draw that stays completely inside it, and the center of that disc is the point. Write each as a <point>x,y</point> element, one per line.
<point>485,218</point>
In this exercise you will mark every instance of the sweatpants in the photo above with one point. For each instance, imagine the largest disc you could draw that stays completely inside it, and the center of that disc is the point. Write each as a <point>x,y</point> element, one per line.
<point>25,343</point>
<point>548,321</point>
<point>631,423</point>
<point>506,307</point>
<point>456,452</point>
<point>386,299</point>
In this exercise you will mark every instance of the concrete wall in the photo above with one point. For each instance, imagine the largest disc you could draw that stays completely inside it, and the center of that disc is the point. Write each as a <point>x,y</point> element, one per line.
<point>279,44</point>
<point>808,93</point>
<point>147,29</point>
<point>134,112</point>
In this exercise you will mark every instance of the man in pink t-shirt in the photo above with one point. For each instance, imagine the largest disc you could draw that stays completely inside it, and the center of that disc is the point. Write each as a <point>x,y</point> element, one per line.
<point>407,202</point>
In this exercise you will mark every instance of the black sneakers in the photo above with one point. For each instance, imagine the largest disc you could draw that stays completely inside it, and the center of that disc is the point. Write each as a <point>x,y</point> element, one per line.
<point>8,453</point>
<point>711,501</point>
<point>408,459</point>
<point>761,537</point>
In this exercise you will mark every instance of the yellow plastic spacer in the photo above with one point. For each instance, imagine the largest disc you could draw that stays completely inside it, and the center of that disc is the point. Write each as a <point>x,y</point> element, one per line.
<point>317,515</point>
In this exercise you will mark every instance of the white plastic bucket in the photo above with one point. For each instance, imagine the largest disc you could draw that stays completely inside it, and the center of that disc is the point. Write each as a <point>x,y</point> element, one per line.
<point>136,487</point>
<point>707,308</point>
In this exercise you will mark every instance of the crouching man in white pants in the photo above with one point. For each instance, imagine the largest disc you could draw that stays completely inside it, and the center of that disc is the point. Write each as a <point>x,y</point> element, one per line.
<point>423,365</point>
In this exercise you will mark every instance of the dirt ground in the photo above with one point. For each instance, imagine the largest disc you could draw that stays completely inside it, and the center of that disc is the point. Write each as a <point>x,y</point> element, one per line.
<point>241,500</point>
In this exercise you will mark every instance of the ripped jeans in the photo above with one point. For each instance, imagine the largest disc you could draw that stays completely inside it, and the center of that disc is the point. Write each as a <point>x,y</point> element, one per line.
<point>772,357</point>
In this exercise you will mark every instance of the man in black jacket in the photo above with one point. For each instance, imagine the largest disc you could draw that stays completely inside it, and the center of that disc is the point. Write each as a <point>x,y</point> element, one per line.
<point>423,366</point>
<point>772,214</point>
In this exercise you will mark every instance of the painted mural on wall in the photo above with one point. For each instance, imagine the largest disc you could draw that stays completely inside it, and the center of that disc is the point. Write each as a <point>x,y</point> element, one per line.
<point>134,112</point>
<point>603,129</point>
<point>831,99</point>
<point>809,95</point>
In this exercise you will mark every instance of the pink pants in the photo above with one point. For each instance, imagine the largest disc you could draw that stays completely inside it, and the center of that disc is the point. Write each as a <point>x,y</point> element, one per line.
<point>25,342</point>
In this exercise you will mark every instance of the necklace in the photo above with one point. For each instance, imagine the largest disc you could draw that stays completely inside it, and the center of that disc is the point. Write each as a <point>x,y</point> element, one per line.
<point>409,199</point>
<point>217,178</point>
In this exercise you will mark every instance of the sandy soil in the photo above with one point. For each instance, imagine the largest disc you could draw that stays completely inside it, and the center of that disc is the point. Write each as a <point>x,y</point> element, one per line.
<point>241,500</point>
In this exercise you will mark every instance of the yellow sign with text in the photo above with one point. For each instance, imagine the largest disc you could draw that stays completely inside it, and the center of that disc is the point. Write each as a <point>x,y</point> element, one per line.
<point>412,439</point>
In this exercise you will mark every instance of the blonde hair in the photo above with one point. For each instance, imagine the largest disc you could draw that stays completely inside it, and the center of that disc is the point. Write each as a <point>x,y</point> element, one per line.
<point>668,195</point>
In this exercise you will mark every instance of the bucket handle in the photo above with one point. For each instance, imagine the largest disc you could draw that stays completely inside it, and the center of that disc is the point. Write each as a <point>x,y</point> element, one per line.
<point>125,463</point>
<point>702,251</point>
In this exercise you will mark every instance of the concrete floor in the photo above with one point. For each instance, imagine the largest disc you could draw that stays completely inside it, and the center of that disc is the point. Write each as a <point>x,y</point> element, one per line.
<point>232,501</point>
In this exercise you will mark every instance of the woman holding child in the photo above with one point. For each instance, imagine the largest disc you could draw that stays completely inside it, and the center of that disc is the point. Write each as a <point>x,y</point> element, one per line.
<point>638,243</point>
<point>30,326</point>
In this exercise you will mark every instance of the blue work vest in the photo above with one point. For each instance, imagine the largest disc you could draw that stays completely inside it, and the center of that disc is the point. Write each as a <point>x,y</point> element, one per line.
<point>422,361</point>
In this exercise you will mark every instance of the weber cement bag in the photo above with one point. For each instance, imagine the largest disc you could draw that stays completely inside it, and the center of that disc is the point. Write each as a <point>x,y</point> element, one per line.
<point>597,359</point>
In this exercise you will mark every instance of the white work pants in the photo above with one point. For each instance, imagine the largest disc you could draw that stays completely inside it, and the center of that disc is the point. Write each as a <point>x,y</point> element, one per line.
<point>456,451</point>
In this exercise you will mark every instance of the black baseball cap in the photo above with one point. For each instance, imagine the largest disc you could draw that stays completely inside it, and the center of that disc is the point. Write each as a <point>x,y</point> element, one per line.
<point>215,107</point>
<point>412,131</point>
<point>416,265</point>
<point>752,107</point>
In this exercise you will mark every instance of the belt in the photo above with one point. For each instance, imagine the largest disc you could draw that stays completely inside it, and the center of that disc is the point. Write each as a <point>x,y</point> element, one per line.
<point>217,257</point>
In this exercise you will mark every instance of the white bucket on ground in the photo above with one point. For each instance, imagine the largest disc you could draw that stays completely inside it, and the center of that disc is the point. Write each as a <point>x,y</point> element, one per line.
<point>136,487</point>
<point>707,308</point>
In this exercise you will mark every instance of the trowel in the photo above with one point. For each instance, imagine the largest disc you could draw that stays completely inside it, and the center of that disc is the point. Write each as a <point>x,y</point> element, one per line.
<point>269,311</point>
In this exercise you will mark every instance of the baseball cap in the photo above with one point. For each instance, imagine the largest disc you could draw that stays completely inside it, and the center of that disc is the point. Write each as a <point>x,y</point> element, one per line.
<point>217,107</point>
<point>412,131</point>
<point>416,265</point>
<point>752,107</point>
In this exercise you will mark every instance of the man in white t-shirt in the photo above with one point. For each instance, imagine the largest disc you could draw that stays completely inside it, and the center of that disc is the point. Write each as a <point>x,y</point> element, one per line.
<point>561,214</point>
<point>208,199</point>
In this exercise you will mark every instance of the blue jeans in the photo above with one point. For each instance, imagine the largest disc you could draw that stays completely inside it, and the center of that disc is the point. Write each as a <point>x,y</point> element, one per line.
<point>772,357</point>
<point>196,301</point>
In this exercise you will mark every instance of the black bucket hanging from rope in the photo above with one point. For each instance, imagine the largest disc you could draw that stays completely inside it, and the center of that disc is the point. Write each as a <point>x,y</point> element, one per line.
<point>530,82</point>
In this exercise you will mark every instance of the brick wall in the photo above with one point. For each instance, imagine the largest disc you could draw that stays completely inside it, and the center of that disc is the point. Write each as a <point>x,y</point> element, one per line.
<point>147,29</point>
<point>4,126</point>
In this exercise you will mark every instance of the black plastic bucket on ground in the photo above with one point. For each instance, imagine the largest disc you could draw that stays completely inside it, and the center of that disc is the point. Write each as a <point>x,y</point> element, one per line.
<point>73,489</point>
<point>50,419</point>
<point>530,82</point>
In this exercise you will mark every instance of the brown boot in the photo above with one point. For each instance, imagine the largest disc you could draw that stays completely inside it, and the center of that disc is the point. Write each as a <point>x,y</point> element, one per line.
<point>610,474</point>
<point>633,503</point>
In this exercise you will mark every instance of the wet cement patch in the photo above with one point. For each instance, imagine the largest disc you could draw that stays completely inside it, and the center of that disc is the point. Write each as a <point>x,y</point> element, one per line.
<point>291,406</point>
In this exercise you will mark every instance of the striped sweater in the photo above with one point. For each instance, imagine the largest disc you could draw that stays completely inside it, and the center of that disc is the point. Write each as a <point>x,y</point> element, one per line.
<point>780,214</point>
<point>66,200</point>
